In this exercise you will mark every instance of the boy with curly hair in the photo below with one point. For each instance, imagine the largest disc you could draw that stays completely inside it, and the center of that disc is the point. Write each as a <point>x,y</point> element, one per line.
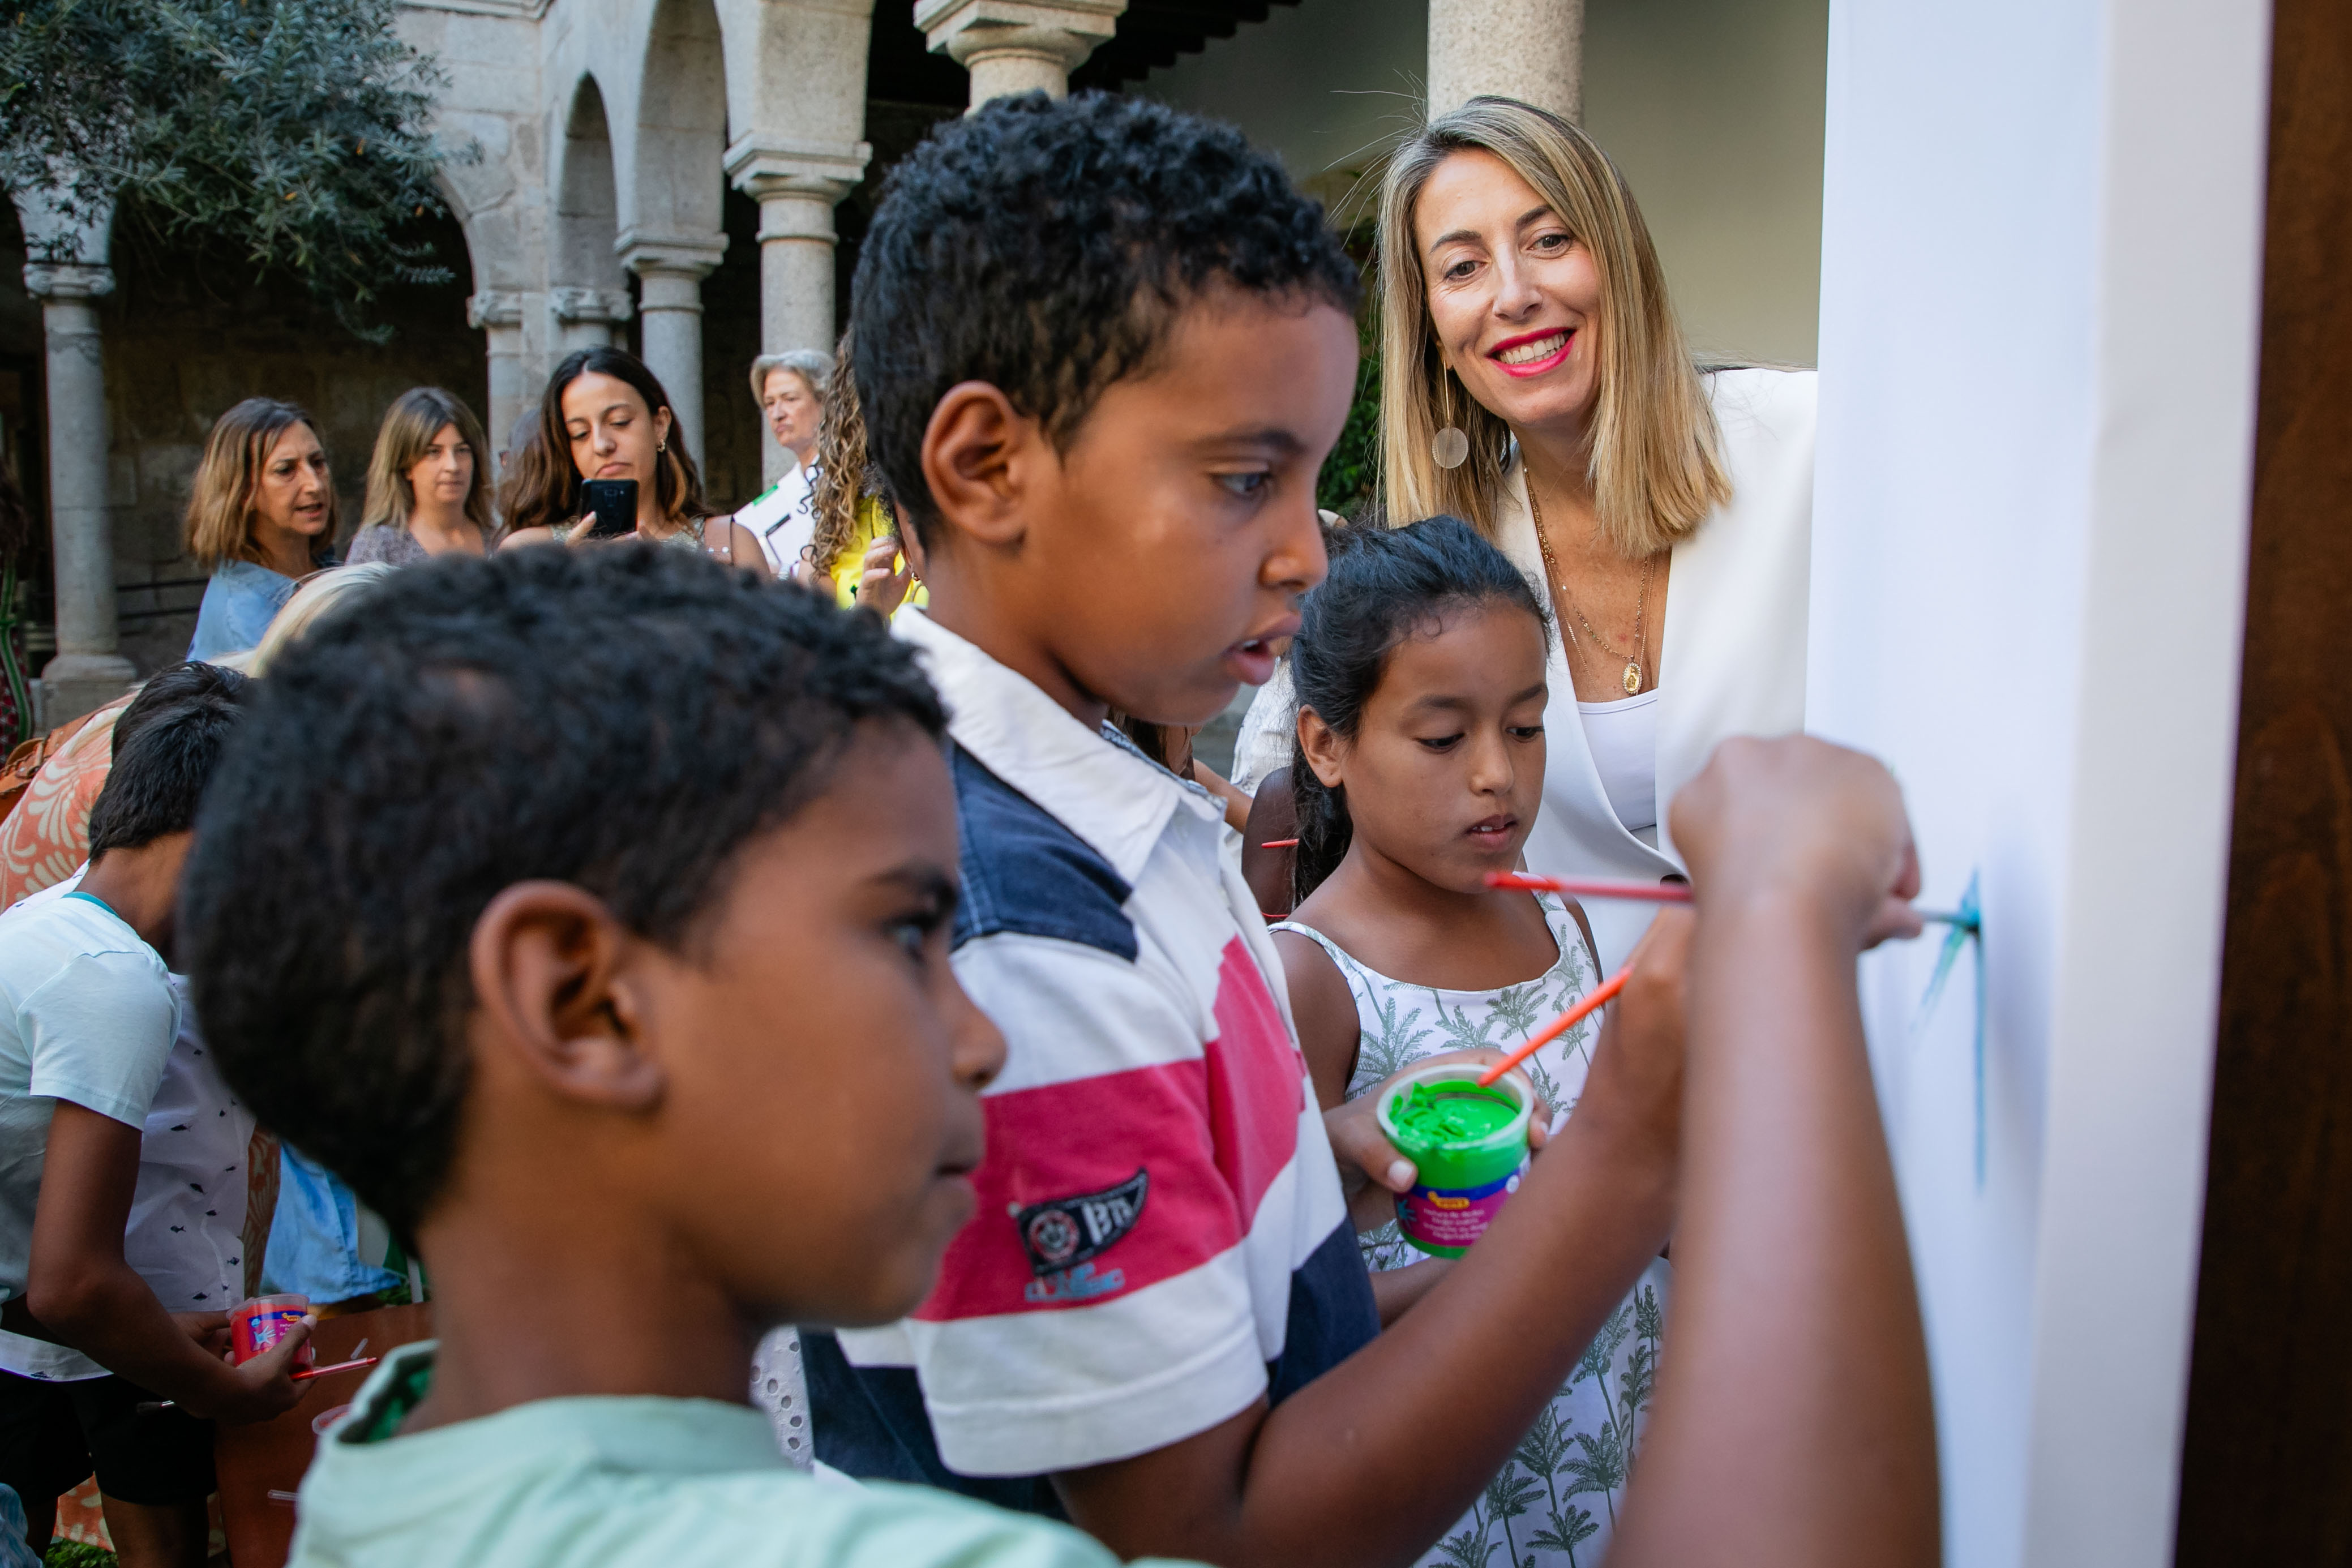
<point>486,913</point>
<point>1103,349</point>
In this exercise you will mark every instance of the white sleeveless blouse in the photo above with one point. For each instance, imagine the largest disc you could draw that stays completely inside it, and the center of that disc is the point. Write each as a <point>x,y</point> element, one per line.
<point>1554,1504</point>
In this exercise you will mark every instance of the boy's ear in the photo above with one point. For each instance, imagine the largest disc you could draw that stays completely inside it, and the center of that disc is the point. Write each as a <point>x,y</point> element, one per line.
<point>1321,744</point>
<point>546,962</point>
<point>978,451</point>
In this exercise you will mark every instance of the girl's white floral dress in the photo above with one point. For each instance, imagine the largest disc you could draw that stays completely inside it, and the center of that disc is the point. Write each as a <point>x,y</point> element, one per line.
<point>1556,1501</point>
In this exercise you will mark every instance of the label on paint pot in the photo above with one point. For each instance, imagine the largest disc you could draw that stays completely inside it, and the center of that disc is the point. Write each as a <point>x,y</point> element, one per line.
<point>1445,1220</point>
<point>257,1324</point>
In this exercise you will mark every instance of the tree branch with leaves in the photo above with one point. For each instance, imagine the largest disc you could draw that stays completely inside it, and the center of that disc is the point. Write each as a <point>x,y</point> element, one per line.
<point>298,131</point>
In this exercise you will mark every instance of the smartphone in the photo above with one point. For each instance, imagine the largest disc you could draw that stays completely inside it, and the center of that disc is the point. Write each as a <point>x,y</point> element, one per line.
<point>610,506</point>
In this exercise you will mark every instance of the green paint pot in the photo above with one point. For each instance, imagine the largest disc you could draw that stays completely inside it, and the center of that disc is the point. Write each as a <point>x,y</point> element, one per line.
<point>1469,1145</point>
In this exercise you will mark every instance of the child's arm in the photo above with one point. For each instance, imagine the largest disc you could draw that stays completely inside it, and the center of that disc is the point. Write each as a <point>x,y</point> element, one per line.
<point>1236,804</point>
<point>1370,1463</point>
<point>1273,816</point>
<point>83,1292</point>
<point>1794,1423</point>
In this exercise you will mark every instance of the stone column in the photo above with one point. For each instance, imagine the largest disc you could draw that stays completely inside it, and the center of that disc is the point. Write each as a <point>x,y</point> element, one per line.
<point>670,271</point>
<point>1528,49</point>
<point>498,315</point>
<point>797,185</point>
<point>587,318</point>
<point>1017,46</point>
<point>87,669</point>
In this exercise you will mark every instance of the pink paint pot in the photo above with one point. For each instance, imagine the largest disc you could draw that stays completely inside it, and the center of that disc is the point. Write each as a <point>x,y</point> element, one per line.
<point>254,1326</point>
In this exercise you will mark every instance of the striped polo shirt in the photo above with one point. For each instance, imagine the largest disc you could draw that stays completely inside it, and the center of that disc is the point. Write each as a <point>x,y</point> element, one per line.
<point>1161,1236</point>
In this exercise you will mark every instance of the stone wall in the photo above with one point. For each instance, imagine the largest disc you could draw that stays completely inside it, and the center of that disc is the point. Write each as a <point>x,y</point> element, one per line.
<point>189,331</point>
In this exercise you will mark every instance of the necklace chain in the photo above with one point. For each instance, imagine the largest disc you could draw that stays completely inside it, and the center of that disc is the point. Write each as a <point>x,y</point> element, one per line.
<point>1631,679</point>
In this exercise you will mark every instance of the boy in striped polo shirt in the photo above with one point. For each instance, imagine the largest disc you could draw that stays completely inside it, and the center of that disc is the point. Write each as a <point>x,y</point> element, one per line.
<point>1104,348</point>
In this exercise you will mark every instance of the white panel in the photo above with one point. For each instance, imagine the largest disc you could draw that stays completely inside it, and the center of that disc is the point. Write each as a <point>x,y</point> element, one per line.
<point>2040,255</point>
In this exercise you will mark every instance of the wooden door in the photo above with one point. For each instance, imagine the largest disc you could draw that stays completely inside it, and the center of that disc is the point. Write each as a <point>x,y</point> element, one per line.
<point>2267,1464</point>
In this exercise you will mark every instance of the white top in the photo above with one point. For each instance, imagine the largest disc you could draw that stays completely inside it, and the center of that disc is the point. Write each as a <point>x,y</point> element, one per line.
<point>780,519</point>
<point>1570,1471</point>
<point>1622,737</point>
<point>1733,649</point>
<point>87,1014</point>
<point>186,1234</point>
<point>1161,1235</point>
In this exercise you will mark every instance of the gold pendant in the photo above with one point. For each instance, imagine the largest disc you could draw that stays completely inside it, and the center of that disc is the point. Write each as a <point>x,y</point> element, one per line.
<point>1633,678</point>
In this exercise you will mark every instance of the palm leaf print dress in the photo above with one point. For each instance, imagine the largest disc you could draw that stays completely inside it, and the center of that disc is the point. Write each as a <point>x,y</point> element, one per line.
<point>1556,1500</point>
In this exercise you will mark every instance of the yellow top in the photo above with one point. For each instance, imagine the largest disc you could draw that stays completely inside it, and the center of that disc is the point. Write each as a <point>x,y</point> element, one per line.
<point>873,522</point>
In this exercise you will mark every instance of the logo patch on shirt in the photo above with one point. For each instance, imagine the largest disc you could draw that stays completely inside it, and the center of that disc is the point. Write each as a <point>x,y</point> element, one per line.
<point>1064,1233</point>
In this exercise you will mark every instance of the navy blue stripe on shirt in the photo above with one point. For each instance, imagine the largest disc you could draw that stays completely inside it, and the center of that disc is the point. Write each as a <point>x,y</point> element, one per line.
<point>1026,873</point>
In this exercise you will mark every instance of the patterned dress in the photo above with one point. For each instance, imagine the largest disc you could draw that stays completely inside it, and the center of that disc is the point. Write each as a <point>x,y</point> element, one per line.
<point>1556,1501</point>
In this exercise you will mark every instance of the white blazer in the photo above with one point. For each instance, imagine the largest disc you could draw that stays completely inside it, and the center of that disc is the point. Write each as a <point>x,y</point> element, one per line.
<point>1733,659</point>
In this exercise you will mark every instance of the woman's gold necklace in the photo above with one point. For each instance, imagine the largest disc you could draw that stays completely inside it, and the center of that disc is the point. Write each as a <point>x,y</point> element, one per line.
<point>1632,680</point>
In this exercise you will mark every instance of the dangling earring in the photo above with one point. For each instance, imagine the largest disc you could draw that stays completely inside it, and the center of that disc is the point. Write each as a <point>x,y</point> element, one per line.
<point>1451,447</point>
<point>663,444</point>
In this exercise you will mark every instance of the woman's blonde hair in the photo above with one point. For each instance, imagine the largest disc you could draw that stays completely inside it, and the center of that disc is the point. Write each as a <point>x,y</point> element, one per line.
<point>319,593</point>
<point>410,424</point>
<point>219,526</point>
<point>1656,471</point>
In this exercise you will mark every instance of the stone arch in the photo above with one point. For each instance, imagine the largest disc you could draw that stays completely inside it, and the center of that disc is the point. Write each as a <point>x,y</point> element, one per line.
<point>673,195</point>
<point>681,131</point>
<point>588,292</point>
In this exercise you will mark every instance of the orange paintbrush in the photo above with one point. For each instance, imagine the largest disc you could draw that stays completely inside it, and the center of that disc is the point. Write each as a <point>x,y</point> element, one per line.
<point>1592,1003</point>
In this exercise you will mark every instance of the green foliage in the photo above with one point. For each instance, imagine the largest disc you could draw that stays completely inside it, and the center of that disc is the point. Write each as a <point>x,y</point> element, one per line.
<point>63,1554</point>
<point>1352,473</point>
<point>293,129</point>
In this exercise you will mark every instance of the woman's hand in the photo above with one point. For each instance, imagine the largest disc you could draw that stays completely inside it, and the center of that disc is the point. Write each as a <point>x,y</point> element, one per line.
<point>882,587</point>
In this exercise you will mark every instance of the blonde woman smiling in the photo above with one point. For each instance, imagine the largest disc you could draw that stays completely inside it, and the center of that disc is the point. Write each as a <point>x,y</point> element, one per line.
<point>428,490</point>
<point>261,516</point>
<point>1535,383</point>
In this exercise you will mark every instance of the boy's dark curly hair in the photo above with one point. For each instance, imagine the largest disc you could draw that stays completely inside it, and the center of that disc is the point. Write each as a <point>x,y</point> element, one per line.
<point>1046,247</point>
<point>623,719</point>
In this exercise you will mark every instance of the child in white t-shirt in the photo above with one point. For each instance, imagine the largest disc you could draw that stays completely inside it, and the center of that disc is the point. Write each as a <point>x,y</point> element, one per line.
<point>122,1175</point>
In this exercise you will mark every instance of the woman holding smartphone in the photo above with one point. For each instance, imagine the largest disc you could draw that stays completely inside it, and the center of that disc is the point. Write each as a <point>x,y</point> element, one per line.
<point>605,419</point>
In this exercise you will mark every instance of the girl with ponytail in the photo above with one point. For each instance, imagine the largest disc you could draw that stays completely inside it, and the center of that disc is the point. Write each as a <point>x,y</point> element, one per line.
<point>1417,768</point>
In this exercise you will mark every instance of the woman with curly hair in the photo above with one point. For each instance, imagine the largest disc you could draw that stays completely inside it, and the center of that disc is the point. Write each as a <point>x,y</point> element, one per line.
<point>856,545</point>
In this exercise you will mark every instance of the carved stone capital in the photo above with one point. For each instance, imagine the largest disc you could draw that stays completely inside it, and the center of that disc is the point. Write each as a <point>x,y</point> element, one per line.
<point>1063,31</point>
<point>494,307</point>
<point>607,306</point>
<point>67,280</point>
<point>690,256</point>
<point>762,167</point>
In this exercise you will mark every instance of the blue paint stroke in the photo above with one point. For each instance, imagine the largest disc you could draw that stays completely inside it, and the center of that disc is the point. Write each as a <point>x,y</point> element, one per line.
<point>1966,929</point>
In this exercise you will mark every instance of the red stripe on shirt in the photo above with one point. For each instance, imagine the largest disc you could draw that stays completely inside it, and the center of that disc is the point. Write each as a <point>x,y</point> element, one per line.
<point>1257,1082</point>
<point>1084,1135</point>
